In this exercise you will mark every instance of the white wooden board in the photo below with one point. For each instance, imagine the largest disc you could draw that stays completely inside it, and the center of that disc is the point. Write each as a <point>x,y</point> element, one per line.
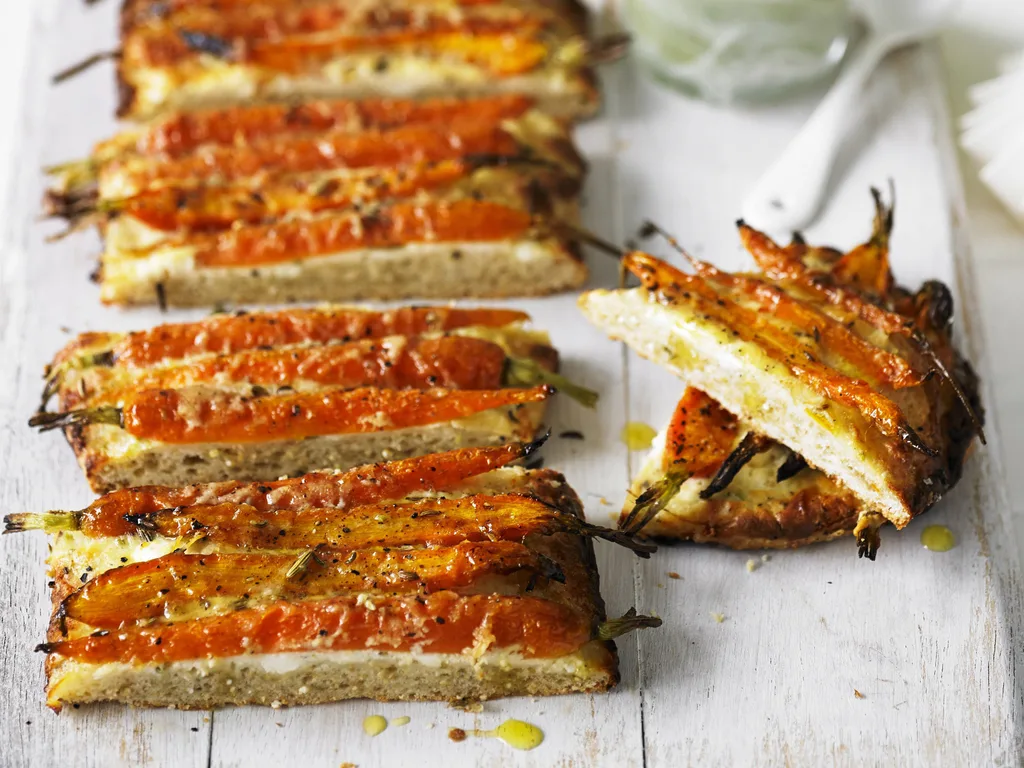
<point>928,639</point>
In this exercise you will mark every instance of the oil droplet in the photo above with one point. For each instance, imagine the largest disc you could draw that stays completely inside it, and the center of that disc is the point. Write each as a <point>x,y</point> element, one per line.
<point>398,722</point>
<point>374,725</point>
<point>638,436</point>
<point>516,733</point>
<point>938,538</point>
<point>519,735</point>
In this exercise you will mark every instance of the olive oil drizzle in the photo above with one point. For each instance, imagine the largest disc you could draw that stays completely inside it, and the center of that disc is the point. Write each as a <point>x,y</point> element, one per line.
<point>516,733</point>
<point>938,538</point>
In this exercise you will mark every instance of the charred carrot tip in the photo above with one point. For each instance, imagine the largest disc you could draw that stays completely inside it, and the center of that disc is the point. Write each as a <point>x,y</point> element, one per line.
<point>751,445</point>
<point>522,372</point>
<point>85,64</point>
<point>48,521</point>
<point>653,500</point>
<point>629,622</point>
<point>104,415</point>
<point>534,445</point>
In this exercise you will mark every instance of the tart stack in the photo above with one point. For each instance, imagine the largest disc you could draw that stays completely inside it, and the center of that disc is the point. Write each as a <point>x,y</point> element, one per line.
<point>826,398</point>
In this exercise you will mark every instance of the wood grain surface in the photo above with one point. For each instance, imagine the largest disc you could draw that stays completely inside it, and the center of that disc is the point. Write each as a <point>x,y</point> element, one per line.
<point>929,640</point>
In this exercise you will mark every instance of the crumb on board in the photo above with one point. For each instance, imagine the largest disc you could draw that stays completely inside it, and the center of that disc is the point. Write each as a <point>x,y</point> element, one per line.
<point>473,707</point>
<point>348,765</point>
<point>604,501</point>
<point>765,558</point>
<point>857,694</point>
<point>751,565</point>
<point>398,722</point>
<point>279,725</point>
<point>660,585</point>
<point>456,734</point>
<point>719,617</point>
<point>674,575</point>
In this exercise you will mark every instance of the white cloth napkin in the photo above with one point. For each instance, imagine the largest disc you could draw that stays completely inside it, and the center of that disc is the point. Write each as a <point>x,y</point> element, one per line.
<point>991,133</point>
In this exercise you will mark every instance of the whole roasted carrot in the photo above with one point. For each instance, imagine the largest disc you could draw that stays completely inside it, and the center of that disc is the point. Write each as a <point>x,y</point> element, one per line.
<point>404,145</point>
<point>422,522</point>
<point>184,132</point>
<point>213,208</point>
<point>472,37</point>
<point>180,584</point>
<point>443,622</point>
<point>371,484</point>
<point>203,414</point>
<point>262,23</point>
<point>227,333</point>
<point>394,362</point>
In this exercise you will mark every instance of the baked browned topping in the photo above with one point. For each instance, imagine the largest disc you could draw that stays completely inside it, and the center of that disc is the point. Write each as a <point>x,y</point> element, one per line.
<point>871,366</point>
<point>446,554</point>
<point>267,187</point>
<point>281,377</point>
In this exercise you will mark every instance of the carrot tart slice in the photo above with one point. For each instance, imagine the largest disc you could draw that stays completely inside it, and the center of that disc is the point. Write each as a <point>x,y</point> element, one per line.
<point>332,201</point>
<point>189,55</point>
<point>445,577</point>
<point>822,353</point>
<point>263,395</point>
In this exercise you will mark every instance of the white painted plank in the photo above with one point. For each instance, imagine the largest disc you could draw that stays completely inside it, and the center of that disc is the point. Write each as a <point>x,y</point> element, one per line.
<point>925,637</point>
<point>41,289</point>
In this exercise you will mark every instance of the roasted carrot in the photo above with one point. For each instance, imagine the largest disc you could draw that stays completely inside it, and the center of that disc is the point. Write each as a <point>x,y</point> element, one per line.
<point>184,132</point>
<point>782,264</point>
<point>371,484</point>
<point>262,23</point>
<point>700,435</point>
<point>405,145</point>
<point>178,583</point>
<point>886,367</point>
<point>866,267</point>
<point>394,362</point>
<point>503,46</point>
<point>390,226</point>
<point>202,414</point>
<point>443,622</point>
<point>227,333</point>
<point>221,207</point>
<point>699,439</point>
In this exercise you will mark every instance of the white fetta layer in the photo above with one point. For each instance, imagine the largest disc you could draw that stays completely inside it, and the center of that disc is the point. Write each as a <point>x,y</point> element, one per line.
<point>317,676</point>
<point>751,384</point>
<point>285,663</point>
<point>352,76</point>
